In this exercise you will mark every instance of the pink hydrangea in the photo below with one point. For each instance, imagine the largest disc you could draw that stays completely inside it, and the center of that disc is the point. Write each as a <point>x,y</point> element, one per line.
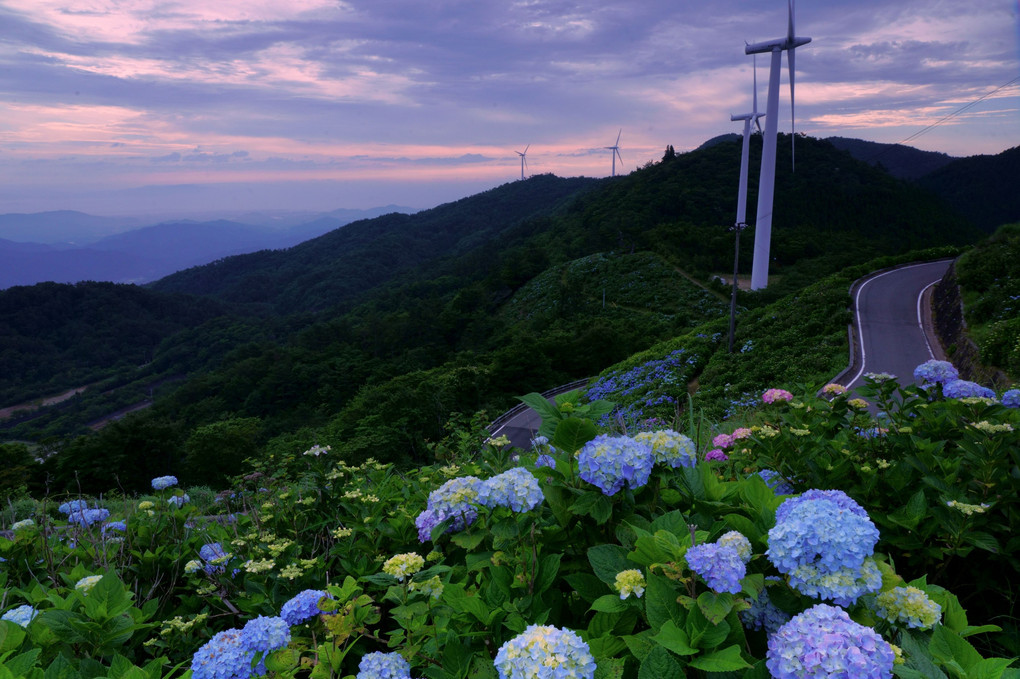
<point>773,395</point>
<point>723,441</point>
<point>742,432</point>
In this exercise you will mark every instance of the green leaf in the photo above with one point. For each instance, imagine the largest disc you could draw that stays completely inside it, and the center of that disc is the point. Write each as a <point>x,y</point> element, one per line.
<point>715,606</point>
<point>659,664</point>
<point>540,405</point>
<point>640,645</point>
<point>947,646</point>
<point>11,635</point>
<point>703,633</point>
<point>982,540</point>
<point>989,668</point>
<point>594,504</point>
<point>608,560</point>
<point>725,660</point>
<point>548,568</point>
<point>675,639</point>
<point>608,668</point>
<point>587,585</point>
<point>609,604</point>
<point>571,434</point>
<point>20,664</point>
<point>980,629</point>
<point>468,540</point>
<point>459,600</point>
<point>661,602</point>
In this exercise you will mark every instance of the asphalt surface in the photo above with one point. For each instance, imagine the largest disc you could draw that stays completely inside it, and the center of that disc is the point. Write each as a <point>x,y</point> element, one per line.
<point>893,323</point>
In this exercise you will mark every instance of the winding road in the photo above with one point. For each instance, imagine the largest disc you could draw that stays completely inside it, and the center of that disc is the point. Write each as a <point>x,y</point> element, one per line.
<point>892,319</point>
<point>892,334</point>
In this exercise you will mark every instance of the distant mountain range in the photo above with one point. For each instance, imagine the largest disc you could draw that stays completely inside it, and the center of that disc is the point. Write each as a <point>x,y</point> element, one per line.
<point>68,246</point>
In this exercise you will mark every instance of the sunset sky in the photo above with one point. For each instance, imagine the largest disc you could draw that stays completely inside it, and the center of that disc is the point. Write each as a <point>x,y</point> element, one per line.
<point>180,106</point>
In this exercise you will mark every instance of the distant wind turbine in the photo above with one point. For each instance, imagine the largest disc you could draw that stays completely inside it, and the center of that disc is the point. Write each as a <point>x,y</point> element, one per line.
<point>615,148</point>
<point>524,161</point>
<point>741,222</point>
<point>767,178</point>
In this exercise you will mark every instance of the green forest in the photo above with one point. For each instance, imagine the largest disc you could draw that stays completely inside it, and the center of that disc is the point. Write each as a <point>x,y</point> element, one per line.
<point>374,337</point>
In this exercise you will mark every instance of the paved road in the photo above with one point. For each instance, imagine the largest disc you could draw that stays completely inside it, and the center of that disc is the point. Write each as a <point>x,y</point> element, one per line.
<point>891,314</point>
<point>520,426</point>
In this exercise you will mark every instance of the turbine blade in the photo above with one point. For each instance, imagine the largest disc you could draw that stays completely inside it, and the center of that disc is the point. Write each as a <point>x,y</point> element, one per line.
<point>790,34</point>
<point>618,136</point>
<point>526,149</point>
<point>793,131</point>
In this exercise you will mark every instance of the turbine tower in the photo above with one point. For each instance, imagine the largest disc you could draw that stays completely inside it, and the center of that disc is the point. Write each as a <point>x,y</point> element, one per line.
<point>744,151</point>
<point>615,148</point>
<point>524,162</point>
<point>767,179</point>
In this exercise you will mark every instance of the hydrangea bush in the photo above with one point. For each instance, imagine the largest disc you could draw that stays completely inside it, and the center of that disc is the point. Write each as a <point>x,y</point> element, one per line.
<point>627,556</point>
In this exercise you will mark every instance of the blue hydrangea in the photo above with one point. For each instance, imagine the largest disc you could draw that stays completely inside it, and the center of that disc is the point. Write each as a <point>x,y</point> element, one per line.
<point>719,565</point>
<point>820,532</point>
<point>764,615</point>
<point>539,441</point>
<point>545,652</point>
<point>214,557</point>
<point>304,606</point>
<point>453,500</point>
<point>222,657</point>
<point>775,481</point>
<point>609,462</point>
<point>545,461</point>
<point>1011,399</point>
<point>516,489</point>
<point>87,517</point>
<point>935,372</point>
<point>966,389</point>
<point>670,447</point>
<point>178,500</point>
<point>73,506</point>
<point>265,634</point>
<point>378,665</point>
<point>114,525</point>
<point>161,482</point>
<point>824,642</point>
<point>22,615</point>
<point>841,499</point>
<point>842,587</point>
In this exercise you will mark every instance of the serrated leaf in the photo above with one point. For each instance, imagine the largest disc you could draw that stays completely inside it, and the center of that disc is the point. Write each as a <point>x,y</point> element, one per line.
<point>725,660</point>
<point>948,647</point>
<point>675,639</point>
<point>608,560</point>
<point>609,604</point>
<point>715,606</point>
<point>608,668</point>
<point>660,602</point>
<point>659,664</point>
<point>572,433</point>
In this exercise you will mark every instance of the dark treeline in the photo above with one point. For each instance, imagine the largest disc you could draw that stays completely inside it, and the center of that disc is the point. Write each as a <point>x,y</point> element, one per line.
<point>369,337</point>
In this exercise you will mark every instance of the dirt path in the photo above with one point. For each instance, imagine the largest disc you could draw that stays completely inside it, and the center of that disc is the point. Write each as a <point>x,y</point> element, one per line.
<point>41,403</point>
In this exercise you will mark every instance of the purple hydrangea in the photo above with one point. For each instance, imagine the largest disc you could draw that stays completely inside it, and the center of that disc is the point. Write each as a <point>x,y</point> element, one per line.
<point>304,606</point>
<point>719,565</point>
<point>1011,399</point>
<point>453,500</point>
<point>609,462</point>
<point>935,372</point>
<point>379,665</point>
<point>824,642</point>
<point>966,389</point>
<point>822,532</point>
<point>716,454</point>
<point>515,489</point>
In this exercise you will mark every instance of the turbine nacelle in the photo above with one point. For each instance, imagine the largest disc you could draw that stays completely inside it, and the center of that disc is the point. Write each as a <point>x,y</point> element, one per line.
<point>772,45</point>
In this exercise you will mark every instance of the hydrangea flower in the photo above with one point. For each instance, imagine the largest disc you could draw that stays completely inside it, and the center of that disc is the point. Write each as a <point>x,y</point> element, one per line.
<point>717,455</point>
<point>775,481</point>
<point>670,447</point>
<point>73,506</point>
<point>516,489</point>
<point>193,566</point>
<point>23,524</point>
<point>403,565</point>
<point>833,389</point>
<point>379,665</point>
<point>763,614</point>
<point>539,441</point>
<point>737,541</point>
<point>222,657</point>
<point>303,606</point>
<point>264,634</point>
<point>1011,399</point>
<point>843,586</point>
<point>776,395</point>
<point>824,642</point>
<point>22,615</point>
<point>908,606</point>
<point>161,482</point>
<point>720,566</point>
<point>544,460</point>
<point>545,652</point>
<point>452,500</point>
<point>935,372</point>
<point>86,584</point>
<point>432,587</point>
<point>178,500</point>
<point>87,517</point>
<point>114,525</point>
<point>630,582</point>
<point>317,450</point>
<point>823,530</point>
<point>966,389</point>
<point>609,462</point>
<point>214,557</point>
<point>722,441</point>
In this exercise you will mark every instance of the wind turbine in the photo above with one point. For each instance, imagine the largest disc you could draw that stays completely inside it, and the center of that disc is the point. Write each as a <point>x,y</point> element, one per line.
<point>767,178</point>
<point>524,162</point>
<point>615,148</point>
<point>741,222</point>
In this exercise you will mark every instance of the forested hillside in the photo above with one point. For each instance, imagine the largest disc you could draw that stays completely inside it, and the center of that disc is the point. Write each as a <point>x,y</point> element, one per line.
<point>370,337</point>
<point>982,188</point>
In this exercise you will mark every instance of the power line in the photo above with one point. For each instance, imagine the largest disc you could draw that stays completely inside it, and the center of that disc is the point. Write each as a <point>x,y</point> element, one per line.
<point>944,119</point>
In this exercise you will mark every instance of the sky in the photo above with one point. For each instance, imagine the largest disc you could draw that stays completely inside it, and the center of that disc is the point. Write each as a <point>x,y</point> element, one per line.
<point>182,106</point>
